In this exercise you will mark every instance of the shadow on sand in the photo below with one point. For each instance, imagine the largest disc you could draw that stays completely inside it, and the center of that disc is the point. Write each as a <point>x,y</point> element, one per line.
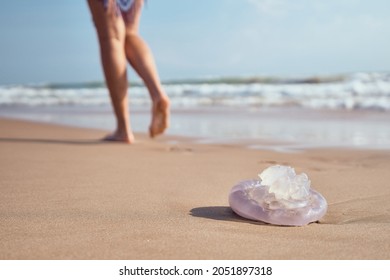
<point>221,213</point>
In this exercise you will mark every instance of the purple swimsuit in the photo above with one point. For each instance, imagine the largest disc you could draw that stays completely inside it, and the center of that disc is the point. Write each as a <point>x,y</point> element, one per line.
<point>123,7</point>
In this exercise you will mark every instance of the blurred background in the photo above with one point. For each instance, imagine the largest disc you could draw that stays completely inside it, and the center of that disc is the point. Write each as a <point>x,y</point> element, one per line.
<point>302,73</point>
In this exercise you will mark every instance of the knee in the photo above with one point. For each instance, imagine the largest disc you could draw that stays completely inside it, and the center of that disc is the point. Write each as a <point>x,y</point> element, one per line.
<point>110,30</point>
<point>110,37</point>
<point>132,40</point>
<point>132,32</point>
<point>106,38</point>
<point>131,36</point>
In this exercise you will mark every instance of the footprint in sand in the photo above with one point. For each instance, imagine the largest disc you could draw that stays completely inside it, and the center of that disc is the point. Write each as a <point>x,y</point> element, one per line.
<point>177,149</point>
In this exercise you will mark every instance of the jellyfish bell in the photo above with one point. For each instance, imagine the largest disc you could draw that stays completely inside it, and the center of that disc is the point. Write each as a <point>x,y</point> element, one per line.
<point>279,197</point>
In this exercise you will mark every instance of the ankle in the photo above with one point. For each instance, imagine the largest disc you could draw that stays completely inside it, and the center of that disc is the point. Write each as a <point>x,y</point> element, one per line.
<point>123,129</point>
<point>125,135</point>
<point>160,100</point>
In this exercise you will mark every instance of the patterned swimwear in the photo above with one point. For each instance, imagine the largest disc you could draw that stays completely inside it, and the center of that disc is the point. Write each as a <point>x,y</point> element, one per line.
<point>123,7</point>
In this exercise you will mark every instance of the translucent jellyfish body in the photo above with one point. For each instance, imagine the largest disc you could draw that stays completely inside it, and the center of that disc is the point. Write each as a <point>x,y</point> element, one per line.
<point>279,197</point>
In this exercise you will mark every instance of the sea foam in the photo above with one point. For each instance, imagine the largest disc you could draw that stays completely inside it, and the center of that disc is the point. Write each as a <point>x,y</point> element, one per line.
<point>355,91</point>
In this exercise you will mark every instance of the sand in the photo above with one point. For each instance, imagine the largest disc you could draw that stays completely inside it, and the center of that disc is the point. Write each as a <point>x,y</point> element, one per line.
<point>65,195</point>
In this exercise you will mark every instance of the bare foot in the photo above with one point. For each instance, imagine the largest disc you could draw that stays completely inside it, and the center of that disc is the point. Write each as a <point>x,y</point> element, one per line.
<point>160,117</point>
<point>117,136</point>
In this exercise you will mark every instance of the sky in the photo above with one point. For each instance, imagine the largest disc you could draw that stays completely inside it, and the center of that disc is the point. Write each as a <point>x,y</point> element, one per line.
<point>55,42</point>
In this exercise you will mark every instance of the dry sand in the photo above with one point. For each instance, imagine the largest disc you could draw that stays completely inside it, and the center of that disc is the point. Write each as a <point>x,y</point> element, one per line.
<point>65,195</point>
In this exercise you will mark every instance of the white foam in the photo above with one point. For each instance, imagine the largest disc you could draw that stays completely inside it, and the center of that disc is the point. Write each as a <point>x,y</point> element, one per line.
<point>357,91</point>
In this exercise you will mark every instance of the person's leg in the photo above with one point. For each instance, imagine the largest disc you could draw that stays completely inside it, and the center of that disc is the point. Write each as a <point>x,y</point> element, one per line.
<point>141,59</point>
<point>111,34</point>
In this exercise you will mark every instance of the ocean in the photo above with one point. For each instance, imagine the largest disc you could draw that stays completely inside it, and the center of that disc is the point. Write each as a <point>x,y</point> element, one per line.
<point>280,113</point>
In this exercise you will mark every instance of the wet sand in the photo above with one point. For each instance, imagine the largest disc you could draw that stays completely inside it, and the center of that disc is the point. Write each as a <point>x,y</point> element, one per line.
<point>281,129</point>
<point>65,195</point>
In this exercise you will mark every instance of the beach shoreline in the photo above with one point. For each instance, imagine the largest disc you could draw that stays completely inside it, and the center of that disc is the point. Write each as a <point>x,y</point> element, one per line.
<point>66,195</point>
<point>281,129</point>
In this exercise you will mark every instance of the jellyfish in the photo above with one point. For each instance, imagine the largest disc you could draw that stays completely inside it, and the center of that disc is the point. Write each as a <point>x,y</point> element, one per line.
<point>279,197</point>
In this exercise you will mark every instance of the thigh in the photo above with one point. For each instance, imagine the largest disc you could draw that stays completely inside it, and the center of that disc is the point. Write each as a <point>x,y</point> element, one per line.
<point>132,17</point>
<point>108,22</point>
